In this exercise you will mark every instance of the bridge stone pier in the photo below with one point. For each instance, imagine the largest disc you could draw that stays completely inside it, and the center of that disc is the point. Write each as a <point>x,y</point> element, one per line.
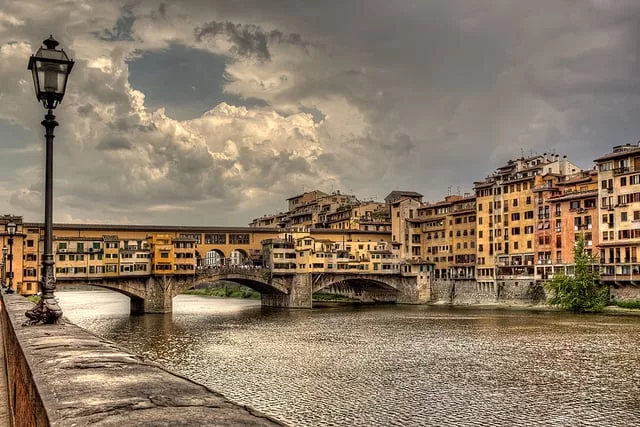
<point>154,294</point>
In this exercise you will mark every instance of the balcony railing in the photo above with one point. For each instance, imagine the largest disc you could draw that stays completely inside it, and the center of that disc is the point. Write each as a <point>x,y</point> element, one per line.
<point>621,170</point>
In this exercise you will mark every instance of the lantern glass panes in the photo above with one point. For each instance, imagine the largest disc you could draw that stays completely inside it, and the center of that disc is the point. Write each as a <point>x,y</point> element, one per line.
<point>50,69</point>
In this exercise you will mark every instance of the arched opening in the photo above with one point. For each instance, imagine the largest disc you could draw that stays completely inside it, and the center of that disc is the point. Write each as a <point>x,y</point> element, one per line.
<point>214,258</point>
<point>136,296</point>
<point>260,287</point>
<point>365,290</point>
<point>239,257</point>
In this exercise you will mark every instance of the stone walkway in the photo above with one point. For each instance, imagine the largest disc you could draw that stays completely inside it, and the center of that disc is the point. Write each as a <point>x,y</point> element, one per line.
<point>4,395</point>
<point>85,381</point>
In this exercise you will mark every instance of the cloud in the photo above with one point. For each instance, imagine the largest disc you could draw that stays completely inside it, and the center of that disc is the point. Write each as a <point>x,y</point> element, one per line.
<point>247,40</point>
<point>212,112</point>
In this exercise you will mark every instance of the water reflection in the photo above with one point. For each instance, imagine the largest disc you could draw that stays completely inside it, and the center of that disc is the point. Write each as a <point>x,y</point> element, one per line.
<point>392,365</point>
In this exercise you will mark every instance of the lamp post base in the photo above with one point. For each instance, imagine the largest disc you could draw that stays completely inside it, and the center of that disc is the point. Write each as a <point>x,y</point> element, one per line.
<point>47,311</point>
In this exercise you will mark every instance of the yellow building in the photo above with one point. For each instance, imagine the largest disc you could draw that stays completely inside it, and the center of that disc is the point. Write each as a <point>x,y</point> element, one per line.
<point>433,236</point>
<point>162,258</point>
<point>14,262</point>
<point>184,255</point>
<point>507,214</point>
<point>443,233</point>
<point>31,257</point>
<point>79,257</point>
<point>619,215</point>
<point>405,224</point>
<point>462,223</point>
<point>111,255</point>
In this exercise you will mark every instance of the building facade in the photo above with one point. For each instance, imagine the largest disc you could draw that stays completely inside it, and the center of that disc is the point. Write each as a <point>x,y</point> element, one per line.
<point>619,215</point>
<point>508,212</point>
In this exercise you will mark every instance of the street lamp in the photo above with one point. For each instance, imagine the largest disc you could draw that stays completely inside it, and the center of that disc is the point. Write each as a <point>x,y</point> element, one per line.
<point>50,68</point>
<point>5,251</point>
<point>11,231</point>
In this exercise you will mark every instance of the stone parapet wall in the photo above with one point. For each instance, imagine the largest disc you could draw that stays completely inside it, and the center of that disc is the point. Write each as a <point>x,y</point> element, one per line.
<point>61,375</point>
<point>26,407</point>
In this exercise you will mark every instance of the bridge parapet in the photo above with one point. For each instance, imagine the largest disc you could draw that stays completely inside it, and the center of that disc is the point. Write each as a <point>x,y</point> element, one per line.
<point>248,271</point>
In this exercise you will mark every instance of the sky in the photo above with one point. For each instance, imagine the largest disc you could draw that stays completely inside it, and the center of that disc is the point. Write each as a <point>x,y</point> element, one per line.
<point>213,112</point>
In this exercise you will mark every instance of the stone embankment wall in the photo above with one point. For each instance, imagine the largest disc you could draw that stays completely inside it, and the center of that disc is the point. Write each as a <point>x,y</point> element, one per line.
<point>61,375</point>
<point>625,293</point>
<point>472,292</point>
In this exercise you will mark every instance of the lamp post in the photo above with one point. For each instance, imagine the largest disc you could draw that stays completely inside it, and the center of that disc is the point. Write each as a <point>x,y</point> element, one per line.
<point>11,231</point>
<point>5,252</point>
<point>50,68</point>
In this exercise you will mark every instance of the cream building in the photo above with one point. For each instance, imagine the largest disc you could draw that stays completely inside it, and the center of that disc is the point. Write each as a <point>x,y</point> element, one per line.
<point>619,214</point>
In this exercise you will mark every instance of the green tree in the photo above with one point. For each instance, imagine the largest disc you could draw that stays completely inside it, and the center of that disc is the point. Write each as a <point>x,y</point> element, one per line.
<point>582,292</point>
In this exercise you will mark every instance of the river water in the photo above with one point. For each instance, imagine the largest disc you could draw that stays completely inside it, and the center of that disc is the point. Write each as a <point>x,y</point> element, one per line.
<point>388,365</point>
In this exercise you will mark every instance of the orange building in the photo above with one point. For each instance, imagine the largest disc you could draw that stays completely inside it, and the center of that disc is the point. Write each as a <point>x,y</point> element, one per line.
<point>567,209</point>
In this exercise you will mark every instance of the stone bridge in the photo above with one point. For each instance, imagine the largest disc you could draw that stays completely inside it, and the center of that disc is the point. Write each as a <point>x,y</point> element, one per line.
<point>155,293</point>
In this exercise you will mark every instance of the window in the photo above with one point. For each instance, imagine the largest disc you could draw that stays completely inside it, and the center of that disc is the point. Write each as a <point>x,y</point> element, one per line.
<point>61,257</point>
<point>239,239</point>
<point>623,216</point>
<point>164,254</point>
<point>30,243</point>
<point>62,245</point>
<point>219,238</point>
<point>515,201</point>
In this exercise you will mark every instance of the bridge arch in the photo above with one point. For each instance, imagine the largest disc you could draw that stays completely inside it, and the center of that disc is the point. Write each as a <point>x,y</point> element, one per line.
<point>356,285</point>
<point>132,287</point>
<point>257,279</point>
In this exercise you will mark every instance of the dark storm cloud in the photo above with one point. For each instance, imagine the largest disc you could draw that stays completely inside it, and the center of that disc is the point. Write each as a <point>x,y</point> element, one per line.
<point>401,145</point>
<point>421,95</point>
<point>122,30</point>
<point>248,40</point>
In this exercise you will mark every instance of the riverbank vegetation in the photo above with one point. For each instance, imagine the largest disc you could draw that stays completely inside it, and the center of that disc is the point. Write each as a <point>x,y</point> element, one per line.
<point>629,304</point>
<point>581,292</point>
<point>323,296</point>
<point>225,290</point>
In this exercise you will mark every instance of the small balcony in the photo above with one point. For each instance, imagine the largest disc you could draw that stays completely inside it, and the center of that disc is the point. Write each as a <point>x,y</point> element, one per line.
<point>621,170</point>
